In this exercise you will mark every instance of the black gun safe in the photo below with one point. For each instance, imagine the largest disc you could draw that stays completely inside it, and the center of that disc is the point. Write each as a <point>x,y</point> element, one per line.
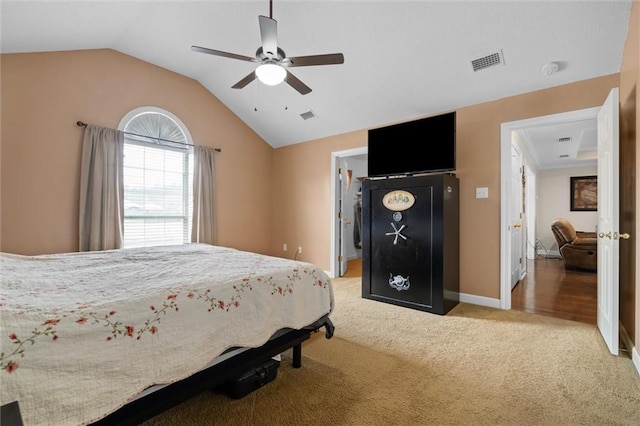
<point>410,241</point>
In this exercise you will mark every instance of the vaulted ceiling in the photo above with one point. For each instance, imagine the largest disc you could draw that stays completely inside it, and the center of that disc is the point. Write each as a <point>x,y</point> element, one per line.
<point>402,60</point>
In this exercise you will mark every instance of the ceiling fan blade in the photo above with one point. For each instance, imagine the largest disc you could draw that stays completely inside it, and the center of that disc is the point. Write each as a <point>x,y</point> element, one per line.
<point>223,54</point>
<point>305,61</point>
<point>242,83</point>
<point>269,36</point>
<point>294,82</point>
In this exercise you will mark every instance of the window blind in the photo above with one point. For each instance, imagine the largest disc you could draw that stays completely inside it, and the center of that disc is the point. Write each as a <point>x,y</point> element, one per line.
<point>158,199</point>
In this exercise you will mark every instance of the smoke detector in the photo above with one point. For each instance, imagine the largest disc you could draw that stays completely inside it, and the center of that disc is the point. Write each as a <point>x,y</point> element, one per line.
<point>550,68</point>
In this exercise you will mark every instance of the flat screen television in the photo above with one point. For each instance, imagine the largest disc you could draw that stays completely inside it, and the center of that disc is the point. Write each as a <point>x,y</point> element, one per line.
<point>427,145</point>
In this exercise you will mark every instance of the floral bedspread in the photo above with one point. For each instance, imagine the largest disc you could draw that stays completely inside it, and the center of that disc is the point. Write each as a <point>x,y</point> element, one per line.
<point>81,334</point>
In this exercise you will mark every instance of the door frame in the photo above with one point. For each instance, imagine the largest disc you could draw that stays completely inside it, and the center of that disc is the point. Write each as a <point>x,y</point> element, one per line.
<point>505,185</point>
<point>512,219</point>
<point>336,226</point>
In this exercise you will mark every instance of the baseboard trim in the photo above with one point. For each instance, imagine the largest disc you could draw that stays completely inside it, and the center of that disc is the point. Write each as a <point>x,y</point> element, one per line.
<point>628,343</point>
<point>480,300</point>
<point>624,336</point>
<point>549,254</point>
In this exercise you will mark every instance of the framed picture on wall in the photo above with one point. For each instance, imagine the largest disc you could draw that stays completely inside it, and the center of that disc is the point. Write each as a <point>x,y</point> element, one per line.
<point>584,193</point>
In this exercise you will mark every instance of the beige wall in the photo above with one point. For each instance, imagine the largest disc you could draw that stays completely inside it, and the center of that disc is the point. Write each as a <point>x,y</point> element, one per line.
<point>629,161</point>
<point>1,213</point>
<point>265,197</point>
<point>44,94</point>
<point>553,192</point>
<point>302,196</point>
<point>302,177</point>
<point>302,189</point>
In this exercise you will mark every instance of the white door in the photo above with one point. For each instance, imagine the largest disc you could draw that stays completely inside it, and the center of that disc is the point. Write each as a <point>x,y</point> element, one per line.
<point>608,221</point>
<point>516,215</point>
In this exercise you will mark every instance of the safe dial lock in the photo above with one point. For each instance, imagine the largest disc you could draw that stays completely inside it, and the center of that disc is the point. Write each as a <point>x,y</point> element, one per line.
<point>396,233</point>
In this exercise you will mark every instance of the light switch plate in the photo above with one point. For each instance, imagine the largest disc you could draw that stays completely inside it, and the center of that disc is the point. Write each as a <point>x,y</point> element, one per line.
<point>482,192</point>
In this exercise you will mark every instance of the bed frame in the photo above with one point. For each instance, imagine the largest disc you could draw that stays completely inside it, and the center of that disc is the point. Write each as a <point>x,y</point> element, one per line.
<point>171,395</point>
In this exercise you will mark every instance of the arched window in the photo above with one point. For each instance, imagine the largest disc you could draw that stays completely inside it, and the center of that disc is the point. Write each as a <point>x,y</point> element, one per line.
<point>158,178</point>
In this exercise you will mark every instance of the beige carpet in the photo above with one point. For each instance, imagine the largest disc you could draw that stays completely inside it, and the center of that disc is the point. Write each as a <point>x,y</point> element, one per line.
<point>388,365</point>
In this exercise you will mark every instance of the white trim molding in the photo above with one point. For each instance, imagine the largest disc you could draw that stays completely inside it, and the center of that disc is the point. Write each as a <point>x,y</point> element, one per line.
<point>628,343</point>
<point>506,130</point>
<point>336,156</point>
<point>489,302</point>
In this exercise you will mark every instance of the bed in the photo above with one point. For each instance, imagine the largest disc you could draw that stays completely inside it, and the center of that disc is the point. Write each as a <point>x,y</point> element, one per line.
<point>117,336</point>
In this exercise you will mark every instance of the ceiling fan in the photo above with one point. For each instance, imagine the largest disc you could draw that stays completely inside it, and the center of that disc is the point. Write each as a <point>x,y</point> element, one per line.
<point>272,59</point>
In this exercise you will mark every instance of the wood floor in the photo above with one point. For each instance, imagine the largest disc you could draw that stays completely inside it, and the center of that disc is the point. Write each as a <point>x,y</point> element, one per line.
<point>548,289</point>
<point>354,268</point>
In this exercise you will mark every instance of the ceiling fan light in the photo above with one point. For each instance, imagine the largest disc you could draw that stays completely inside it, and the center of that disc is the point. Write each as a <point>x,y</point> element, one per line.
<point>271,74</point>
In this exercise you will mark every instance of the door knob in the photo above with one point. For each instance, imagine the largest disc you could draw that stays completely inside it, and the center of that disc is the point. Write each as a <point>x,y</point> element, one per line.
<point>625,236</point>
<point>602,235</point>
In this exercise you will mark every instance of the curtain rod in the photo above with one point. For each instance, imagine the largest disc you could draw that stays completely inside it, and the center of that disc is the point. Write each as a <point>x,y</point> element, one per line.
<point>83,124</point>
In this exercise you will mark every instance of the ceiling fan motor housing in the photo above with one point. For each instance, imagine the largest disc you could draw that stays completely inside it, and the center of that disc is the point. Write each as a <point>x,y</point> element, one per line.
<point>262,57</point>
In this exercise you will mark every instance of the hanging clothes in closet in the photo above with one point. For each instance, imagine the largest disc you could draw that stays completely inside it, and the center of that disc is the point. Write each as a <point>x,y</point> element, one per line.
<point>357,220</point>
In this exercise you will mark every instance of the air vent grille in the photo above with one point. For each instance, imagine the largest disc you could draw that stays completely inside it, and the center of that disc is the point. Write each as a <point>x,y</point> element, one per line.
<point>565,139</point>
<point>487,61</point>
<point>308,115</point>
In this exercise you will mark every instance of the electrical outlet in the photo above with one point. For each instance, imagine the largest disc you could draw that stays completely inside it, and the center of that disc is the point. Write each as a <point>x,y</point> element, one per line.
<point>284,247</point>
<point>300,249</point>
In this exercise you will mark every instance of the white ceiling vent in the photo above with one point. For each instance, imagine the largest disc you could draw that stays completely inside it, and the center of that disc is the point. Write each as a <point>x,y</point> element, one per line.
<point>488,61</point>
<point>565,139</point>
<point>307,115</point>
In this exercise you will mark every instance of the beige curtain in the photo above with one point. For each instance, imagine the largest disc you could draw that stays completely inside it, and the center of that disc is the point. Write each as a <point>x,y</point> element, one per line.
<point>101,189</point>
<point>202,230</point>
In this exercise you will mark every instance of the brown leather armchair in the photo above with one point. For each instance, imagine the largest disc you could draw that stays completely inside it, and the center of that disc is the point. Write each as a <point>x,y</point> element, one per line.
<point>579,250</point>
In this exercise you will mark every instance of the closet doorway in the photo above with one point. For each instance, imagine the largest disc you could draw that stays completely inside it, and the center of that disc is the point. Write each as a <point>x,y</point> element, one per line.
<point>348,168</point>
